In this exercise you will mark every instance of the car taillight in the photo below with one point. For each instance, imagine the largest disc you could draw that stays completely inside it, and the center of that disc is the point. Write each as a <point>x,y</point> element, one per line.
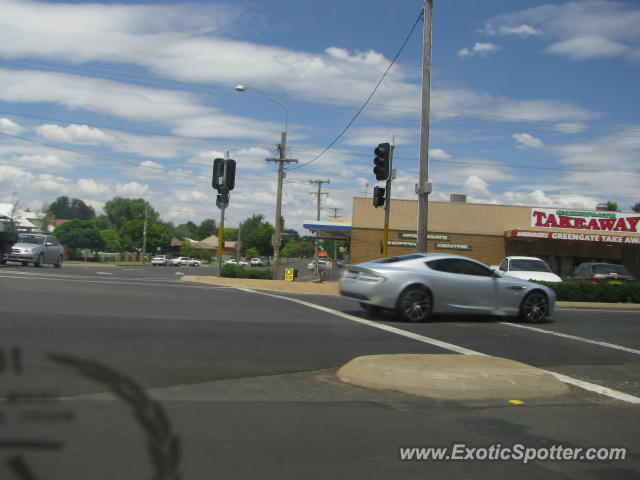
<point>595,280</point>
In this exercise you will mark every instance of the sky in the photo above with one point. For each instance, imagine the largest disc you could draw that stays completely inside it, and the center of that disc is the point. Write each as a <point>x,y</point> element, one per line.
<point>532,102</point>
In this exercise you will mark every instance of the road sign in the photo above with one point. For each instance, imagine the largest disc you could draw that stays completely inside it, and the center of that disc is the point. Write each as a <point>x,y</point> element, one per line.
<point>289,274</point>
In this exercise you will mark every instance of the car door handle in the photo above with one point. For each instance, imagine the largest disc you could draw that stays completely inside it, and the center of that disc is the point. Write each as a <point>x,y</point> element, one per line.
<point>516,287</point>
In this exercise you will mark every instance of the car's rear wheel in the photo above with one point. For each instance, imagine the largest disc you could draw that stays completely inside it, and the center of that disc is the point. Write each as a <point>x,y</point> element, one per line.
<point>39,260</point>
<point>534,307</point>
<point>415,305</point>
<point>370,309</point>
<point>58,264</point>
<point>24,264</point>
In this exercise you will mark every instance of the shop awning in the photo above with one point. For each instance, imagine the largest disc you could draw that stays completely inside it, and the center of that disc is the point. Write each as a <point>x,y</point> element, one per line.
<point>330,230</point>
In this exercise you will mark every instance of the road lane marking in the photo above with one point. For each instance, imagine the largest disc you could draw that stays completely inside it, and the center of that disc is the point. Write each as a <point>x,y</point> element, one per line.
<point>119,282</point>
<point>574,337</point>
<point>592,387</point>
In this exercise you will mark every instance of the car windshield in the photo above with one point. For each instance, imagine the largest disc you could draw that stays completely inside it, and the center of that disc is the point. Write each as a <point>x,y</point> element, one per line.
<point>529,265</point>
<point>34,239</point>
<point>610,268</point>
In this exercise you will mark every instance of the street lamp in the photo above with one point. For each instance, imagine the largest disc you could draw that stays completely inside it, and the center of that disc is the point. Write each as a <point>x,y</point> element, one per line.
<point>281,161</point>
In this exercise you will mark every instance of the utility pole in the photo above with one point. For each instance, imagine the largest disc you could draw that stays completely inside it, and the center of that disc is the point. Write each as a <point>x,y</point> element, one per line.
<point>238,243</point>
<point>318,200</point>
<point>423,188</point>
<point>335,212</point>
<point>366,188</point>
<point>144,233</point>
<point>276,236</point>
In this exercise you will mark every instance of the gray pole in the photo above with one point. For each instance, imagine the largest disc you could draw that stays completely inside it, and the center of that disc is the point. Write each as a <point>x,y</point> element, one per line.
<point>276,236</point>
<point>422,188</point>
<point>221,228</point>
<point>318,200</point>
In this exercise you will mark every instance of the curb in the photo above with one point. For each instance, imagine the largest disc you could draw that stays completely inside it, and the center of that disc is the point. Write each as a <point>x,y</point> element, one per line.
<point>453,377</point>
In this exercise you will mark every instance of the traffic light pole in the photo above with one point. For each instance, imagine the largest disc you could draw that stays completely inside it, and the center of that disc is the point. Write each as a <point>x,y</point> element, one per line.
<point>387,205</point>
<point>223,207</point>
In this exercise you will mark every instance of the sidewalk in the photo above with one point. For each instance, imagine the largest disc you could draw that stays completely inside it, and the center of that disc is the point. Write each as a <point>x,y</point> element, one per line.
<point>331,288</point>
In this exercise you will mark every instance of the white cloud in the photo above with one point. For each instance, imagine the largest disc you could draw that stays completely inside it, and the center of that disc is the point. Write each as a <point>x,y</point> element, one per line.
<point>439,154</point>
<point>570,127</point>
<point>77,134</point>
<point>9,126</point>
<point>527,140</point>
<point>479,48</point>
<point>43,162</point>
<point>91,188</point>
<point>581,30</point>
<point>131,189</point>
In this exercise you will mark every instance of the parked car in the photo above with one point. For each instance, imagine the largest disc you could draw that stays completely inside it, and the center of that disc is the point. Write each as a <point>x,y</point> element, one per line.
<point>160,260</point>
<point>527,268</point>
<point>256,262</point>
<point>179,261</point>
<point>602,273</point>
<point>321,264</point>
<point>233,261</point>
<point>193,262</point>
<point>419,285</point>
<point>37,249</point>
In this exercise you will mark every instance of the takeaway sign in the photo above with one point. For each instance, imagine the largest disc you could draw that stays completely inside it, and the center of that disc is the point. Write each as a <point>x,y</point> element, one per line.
<point>579,220</point>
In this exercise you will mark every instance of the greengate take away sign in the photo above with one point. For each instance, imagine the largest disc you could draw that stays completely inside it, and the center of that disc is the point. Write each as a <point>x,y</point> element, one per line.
<point>578,220</point>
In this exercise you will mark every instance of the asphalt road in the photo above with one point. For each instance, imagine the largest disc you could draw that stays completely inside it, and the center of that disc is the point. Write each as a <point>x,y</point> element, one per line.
<point>246,383</point>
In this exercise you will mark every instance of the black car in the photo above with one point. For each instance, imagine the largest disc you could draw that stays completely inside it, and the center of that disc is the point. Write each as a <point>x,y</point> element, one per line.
<point>602,273</point>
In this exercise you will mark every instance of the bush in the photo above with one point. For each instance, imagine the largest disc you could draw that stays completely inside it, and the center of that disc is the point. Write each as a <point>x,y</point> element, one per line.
<point>236,271</point>
<point>596,292</point>
<point>262,274</point>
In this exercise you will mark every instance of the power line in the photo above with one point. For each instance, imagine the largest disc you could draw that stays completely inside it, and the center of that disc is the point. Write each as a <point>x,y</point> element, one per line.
<point>344,130</point>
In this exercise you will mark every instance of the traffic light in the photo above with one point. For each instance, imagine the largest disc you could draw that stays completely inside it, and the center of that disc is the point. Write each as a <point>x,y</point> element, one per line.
<point>381,161</point>
<point>378,196</point>
<point>222,200</point>
<point>224,175</point>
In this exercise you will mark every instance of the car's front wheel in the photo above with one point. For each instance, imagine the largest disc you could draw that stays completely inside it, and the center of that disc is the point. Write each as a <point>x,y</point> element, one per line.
<point>39,260</point>
<point>58,264</point>
<point>415,305</point>
<point>534,307</point>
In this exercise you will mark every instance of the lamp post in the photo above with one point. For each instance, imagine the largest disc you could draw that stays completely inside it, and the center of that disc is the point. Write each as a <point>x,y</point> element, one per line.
<point>281,161</point>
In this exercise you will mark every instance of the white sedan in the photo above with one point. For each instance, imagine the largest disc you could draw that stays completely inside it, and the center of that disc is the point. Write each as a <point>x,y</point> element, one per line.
<point>233,261</point>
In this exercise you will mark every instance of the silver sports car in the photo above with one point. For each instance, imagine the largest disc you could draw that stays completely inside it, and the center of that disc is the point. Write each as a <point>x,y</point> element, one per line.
<point>419,285</point>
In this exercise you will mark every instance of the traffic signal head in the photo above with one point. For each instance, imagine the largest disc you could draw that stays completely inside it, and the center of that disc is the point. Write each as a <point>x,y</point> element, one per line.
<point>378,196</point>
<point>224,175</point>
<point>382,161</point>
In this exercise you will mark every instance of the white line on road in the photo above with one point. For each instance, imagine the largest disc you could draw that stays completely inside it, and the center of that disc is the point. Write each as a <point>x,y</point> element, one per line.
<point>119,282</point>
<point>574,337</point>
<point>592,387</point>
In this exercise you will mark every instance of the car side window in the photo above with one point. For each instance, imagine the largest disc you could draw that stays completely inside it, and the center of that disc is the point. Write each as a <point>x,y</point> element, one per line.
<point>504,266</point>
<point>53,241</point>
<point>466,267</point>
<point>460,266</point>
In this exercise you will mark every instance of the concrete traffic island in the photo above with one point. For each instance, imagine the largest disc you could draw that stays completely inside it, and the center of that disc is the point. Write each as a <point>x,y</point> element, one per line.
<point>452,377</point>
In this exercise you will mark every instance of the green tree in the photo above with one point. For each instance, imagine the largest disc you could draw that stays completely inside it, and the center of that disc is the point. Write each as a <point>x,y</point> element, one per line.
<point>122,210</point>
<point>251,252</point>
<point>111,240</point>
<point>291,249</point>
<point>612,206</point>
<point>636,207</point>
<point>186,250</point>
<point>231,234</point>
<point>158,235</point>
<point>102,222</point>
<point>71,208</point>
<point>260,239</point>
<point>186,230</point>
<point>207,228</point>
<point>79,234</point>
